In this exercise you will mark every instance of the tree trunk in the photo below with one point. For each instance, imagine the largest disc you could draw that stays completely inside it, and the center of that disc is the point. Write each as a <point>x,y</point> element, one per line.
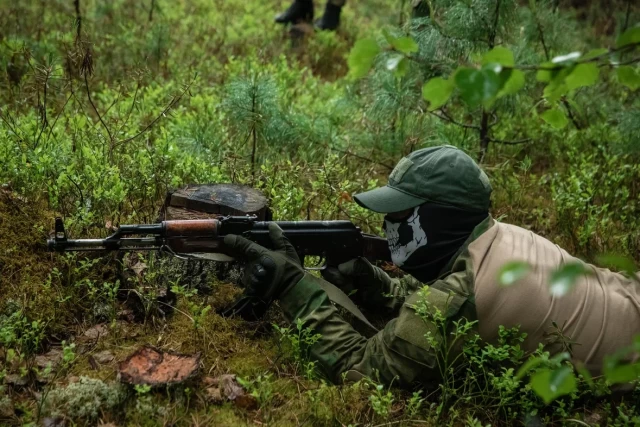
<point>76,4</point>
<point>200,201</point>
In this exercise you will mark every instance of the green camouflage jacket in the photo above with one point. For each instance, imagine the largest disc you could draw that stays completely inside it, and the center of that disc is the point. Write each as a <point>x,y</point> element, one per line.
<point>400,349</point>
<point>601,314</point>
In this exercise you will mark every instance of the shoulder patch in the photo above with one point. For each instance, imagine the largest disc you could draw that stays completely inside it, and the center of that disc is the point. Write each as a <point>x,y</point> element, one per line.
<point>401,168</point>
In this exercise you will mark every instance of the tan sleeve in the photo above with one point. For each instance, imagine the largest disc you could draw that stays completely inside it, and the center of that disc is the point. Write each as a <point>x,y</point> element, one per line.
<point>600,315</point>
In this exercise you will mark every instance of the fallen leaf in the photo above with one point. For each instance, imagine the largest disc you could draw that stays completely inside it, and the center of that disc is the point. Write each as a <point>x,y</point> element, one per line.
<point>16,380</point>
<point>54,422</point>
<point>153,366</point>
<point>230,387</point>
<point>96,331</point>
<point>53,358</point>
<point>139,268</point>
<point>226,388</point>
<point>94,364</point>
<point>104,357</point>
<point>214,395</point>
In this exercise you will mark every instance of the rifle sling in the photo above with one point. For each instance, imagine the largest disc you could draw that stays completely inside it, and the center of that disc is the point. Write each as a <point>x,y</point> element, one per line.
<point>338,297</point>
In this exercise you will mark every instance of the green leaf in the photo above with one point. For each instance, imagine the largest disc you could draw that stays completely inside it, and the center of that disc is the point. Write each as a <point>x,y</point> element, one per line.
<point>551,384</point>
<point>477,86</point>
<point>388,37</point>
<point>595,52</point>
<point>362,56</point>
<point>619,262</point>
<point>631,36</point>
<point>511,82</point>
<point>513,271</point>
<point>586,375</point>
<point>555,117</point>
<point>491,86</point>
<point>616,372</point>
<point>533,362</point>
<point>583,75</point>
<point>564,279</point>
<point>554,91</point>
<point>557,85</point>
<point>402,68</point>
<point>404,44</point>
<point>629,76</point>
<point>499,55</point>
<point>528,365</point>
<point>437,92</point>
<point>493,66</point>
<point>561,357</point>
<point>470,83</point>
<point>554,73</point>
<point>545,75</point>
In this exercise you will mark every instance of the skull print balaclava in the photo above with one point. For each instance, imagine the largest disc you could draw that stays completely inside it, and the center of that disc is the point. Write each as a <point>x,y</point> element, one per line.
<point>424,242</point>
<point>413,236</point>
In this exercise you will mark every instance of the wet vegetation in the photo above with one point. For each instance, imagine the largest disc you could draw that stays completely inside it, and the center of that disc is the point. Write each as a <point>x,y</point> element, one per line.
<point>107,105</point>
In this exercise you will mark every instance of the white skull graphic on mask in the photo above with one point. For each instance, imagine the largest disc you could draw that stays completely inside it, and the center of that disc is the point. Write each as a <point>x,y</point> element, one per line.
<point>405,237</point>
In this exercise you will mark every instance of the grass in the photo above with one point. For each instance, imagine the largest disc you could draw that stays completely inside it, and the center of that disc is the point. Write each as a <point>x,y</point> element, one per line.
<point>165,104</point>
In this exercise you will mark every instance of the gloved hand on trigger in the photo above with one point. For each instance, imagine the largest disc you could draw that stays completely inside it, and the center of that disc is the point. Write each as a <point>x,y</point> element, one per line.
<point>268,273</point>
<point>359,275</point>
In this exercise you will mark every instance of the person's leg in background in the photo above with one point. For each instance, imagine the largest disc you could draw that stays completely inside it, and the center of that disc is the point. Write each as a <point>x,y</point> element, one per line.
<point>299,11</point>
<point>331,17</point>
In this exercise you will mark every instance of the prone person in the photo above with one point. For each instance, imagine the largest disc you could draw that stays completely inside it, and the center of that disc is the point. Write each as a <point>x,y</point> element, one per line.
<point>440,232</point>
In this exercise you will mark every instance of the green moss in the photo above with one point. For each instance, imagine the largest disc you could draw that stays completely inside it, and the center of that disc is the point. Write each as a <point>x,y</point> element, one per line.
<point>24,264</point>
<point>85,399</point>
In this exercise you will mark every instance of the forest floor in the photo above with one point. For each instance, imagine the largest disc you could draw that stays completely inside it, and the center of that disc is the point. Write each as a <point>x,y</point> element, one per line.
<point>107,106</point>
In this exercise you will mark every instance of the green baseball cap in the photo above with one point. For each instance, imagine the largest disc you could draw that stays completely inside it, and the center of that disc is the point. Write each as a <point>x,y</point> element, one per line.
<point>443,174</point>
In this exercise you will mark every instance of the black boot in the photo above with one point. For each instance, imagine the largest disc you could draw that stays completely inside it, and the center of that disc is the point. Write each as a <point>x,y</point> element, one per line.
<point>331,18</point>
<point>300,10</point>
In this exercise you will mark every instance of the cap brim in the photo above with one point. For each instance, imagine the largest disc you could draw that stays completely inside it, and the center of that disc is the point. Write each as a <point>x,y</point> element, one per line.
<point>386,200</point>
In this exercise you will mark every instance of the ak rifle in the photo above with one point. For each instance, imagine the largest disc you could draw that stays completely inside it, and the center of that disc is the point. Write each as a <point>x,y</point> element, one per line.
<point>334,242</point>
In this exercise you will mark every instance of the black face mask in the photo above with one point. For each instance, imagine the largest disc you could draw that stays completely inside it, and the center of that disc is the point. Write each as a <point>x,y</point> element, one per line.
<point>423,243</point>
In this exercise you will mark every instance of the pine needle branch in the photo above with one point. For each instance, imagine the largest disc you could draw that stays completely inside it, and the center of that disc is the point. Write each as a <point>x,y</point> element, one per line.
<point>444,116</point>
<point>508,142</point>
<point>357,156</point>
<point>162,114</point>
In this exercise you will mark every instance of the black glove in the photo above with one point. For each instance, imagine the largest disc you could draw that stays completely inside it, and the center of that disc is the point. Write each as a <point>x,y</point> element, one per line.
<point>358,275</point>
<point>268,273</point>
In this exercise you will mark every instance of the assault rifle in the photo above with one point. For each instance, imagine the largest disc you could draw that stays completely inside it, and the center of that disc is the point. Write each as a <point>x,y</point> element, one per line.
<point>334,241</point>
